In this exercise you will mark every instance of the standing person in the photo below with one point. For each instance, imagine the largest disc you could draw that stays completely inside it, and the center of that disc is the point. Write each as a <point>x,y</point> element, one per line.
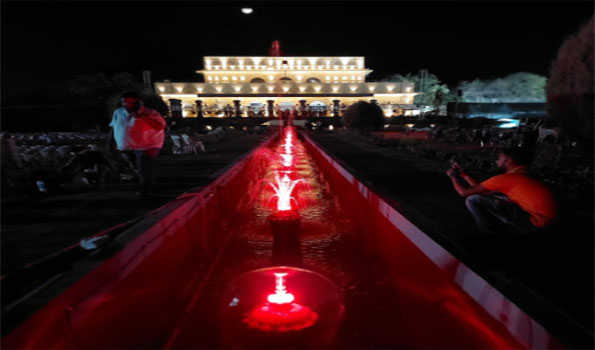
<point>119,125</point>
<point>146,134</point>
<point>509,203</point>
<point>139,129</point>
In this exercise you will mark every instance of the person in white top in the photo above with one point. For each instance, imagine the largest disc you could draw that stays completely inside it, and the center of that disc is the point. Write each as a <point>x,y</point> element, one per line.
<point>119,124</point>
<point>142,130</point>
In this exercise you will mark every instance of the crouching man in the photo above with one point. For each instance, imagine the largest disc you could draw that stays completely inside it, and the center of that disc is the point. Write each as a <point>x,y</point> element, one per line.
<point>512,202</point>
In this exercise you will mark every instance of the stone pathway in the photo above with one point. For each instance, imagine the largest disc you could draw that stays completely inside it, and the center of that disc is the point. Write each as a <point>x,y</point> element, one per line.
<point>32,228</point>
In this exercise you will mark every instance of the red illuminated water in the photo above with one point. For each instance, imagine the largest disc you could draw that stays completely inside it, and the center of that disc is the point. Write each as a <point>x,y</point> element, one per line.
<point>280,318</point>
<point>280,313</point>
<point>408,306</point>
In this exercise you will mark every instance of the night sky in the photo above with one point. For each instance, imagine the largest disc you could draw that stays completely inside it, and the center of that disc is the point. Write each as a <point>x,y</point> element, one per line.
<point>50,42</point>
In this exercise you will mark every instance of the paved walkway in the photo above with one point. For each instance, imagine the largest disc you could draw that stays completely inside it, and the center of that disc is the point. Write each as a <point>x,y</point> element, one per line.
<point>32,228</point>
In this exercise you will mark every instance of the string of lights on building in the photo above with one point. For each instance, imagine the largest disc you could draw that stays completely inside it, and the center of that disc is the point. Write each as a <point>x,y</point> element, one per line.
<point>257,86</point>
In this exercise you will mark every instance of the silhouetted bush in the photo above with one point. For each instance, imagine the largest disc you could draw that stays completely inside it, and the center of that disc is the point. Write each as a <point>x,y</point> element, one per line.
<point>570,86</point>
<point>364,116</point>
<point>155,102</point>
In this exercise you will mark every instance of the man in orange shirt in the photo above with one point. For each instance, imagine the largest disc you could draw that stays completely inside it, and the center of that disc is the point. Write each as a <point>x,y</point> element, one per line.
<point>512,202</point>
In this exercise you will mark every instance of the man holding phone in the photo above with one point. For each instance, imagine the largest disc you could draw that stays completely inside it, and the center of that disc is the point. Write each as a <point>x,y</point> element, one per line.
<point>142,130</point>
<point>512,202</point>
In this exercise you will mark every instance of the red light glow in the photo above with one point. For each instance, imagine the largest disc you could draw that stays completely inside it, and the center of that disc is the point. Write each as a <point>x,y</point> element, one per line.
<point>284,186</point>
<point>281,296</point>
<point>288,138</point>
<point>287,159</point>
<point>280,313</point>
<point>281,318</point>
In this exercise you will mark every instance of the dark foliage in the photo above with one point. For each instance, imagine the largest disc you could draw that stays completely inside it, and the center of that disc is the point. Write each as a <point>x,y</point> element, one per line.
<point>364,116</point>
<point>155,102</point>
<point>570,86</point>
<point>86,102</point>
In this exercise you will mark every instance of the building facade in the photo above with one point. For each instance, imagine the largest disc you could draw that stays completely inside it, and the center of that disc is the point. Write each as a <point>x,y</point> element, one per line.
<point>242,86</point>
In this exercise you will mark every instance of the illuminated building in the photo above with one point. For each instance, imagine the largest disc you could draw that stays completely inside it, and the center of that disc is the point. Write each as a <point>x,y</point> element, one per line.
<point>246,86</point>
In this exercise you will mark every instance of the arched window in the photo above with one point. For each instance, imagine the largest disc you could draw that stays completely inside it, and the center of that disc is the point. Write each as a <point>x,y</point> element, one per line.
<point>256,106</point>
<point>286,80</point>
<point>257,81</point>
<point>286,106</point>
<point>317,106</point>
<point>313,80</point>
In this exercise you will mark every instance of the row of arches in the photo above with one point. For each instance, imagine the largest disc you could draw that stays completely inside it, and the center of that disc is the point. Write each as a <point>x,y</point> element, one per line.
<point>259,109</point>
<point>286,80</point>
<point>257,106</point>
<point>315,61</point>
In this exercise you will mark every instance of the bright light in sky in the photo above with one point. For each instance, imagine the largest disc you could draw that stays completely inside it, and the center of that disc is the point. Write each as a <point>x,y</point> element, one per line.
<point>247,10</point>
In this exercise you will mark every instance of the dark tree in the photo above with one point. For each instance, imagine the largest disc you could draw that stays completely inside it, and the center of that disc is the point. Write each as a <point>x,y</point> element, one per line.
<point>88,87</point>
<point>154,101</point>
<point>364,116</point>
<point>97,91</point>
<point>428,85</point>
<point>570,86</point>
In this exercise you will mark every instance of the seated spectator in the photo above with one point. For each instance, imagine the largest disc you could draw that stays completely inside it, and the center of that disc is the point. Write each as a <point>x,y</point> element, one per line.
<point>509,203</point>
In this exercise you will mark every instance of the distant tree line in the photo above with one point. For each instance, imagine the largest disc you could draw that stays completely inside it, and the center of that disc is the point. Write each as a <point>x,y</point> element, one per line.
<point>568,91</point>
<point>517,87</point>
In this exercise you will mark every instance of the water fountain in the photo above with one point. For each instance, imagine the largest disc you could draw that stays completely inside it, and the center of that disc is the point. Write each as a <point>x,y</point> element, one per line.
<point>303,312</point>
<point>165,286</point>
<point>285,319</point>
<point>285,221</point>
<point>283,188</point>
<point>280,313</point>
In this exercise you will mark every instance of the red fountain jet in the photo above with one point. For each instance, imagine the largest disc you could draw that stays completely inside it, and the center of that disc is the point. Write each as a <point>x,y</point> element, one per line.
<point>280,313</point>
